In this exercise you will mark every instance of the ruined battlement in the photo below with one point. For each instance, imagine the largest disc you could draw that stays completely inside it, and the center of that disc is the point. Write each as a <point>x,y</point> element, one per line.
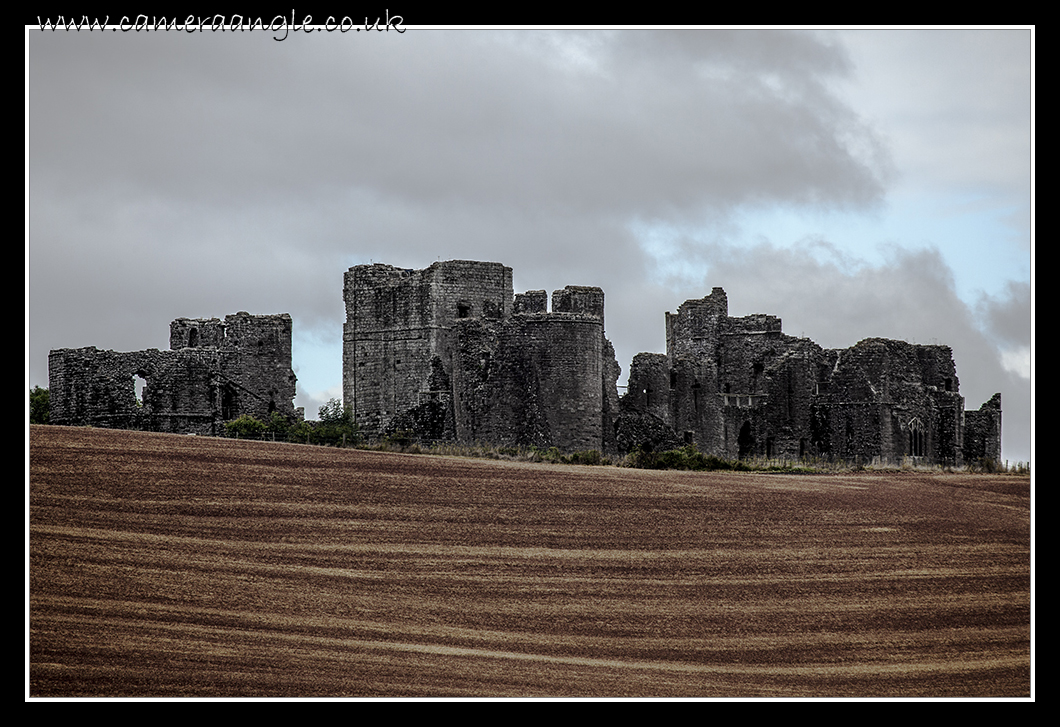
<point>694,329</point>
<point>239,330</point>
<point>581,300</point>
<point>383,297</point>
<point>451,353</point>
<point>530,302</point>
<point>213,372</point>
<point>757,323</point>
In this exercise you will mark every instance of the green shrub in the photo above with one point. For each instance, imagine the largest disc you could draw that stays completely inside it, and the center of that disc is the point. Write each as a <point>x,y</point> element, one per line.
<point>591,456</point>
<point>277,424</point>
<point>38,405</point>
<point>685,458</point>
<point>245,426</point>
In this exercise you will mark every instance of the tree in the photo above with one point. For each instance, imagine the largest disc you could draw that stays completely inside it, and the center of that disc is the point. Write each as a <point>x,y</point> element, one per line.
<point>335,413</point>
<point>277,423</point>
<point>336,424</point>
<point>38,405</point>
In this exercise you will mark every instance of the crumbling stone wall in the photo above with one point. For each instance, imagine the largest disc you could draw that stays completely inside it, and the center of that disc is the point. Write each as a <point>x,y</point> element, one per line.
<point>449,353</point>
<point>890,400</point>
<point>215,371</point>
<point>982,431</point>
<point>398,322</point>
<point>740,387</point>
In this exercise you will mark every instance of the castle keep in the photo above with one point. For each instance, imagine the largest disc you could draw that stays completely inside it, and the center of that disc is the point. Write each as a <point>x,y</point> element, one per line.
<point>214,371</point>
<point>448,353</point>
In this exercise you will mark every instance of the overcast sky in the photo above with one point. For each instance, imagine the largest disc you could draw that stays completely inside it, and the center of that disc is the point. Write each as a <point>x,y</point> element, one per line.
<point>855,183</point>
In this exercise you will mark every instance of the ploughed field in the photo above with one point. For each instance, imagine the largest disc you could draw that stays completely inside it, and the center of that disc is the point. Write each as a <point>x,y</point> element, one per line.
<point>163,565</point>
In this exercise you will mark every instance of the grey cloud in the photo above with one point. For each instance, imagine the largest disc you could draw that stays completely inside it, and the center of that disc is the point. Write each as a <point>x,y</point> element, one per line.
<point>244,168</point>
<point>454,116</point>
<point>1008,317</point>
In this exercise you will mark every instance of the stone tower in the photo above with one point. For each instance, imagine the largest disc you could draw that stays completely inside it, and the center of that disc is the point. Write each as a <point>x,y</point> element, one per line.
<point>448,353</point>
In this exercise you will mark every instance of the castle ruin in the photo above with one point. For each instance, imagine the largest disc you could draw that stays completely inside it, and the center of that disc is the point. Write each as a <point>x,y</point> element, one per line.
<point>739,387</point>
<point>214,372</point>
<point>448,353</point>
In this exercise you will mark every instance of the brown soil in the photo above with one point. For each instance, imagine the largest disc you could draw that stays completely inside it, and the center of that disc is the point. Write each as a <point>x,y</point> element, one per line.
<point>176,566</point>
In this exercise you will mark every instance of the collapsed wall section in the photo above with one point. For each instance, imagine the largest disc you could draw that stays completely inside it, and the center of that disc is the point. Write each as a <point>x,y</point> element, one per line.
<point>982,431</point>
<point>891,400</point>
<point>693,330</point>
<point>739,387</point>
<point>88,386</point>
<point>215,371</point>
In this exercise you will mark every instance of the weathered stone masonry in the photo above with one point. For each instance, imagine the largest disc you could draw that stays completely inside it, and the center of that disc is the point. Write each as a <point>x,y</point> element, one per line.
<point>739,387</point>
<point>449,353</point>
<point>214,371</point>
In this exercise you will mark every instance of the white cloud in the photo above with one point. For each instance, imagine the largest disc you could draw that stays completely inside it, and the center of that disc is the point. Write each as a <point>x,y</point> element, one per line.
<point>1017,361</point>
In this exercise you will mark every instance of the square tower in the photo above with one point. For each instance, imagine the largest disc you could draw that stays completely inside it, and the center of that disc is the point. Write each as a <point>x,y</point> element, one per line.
<point>397,343</point>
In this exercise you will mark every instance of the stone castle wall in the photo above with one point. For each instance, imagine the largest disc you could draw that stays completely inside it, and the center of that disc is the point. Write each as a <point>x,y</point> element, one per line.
<point>740,387</point>
<point>982,431</point>
<point>450,353</point>
<point>214,371</point>
<point>398,322</point>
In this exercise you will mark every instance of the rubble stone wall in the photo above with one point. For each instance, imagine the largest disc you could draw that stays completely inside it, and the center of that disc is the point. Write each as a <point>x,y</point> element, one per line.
<point>215,371</point>
<point>452,339</point>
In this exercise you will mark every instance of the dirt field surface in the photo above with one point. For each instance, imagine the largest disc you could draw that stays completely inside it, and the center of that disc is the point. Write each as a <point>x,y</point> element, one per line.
<point>169,566</point>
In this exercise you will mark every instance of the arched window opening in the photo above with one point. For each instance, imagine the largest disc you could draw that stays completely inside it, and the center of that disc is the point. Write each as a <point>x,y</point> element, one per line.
<point>916,438</point>
<point>139,384</point>
<point>193,338</point>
